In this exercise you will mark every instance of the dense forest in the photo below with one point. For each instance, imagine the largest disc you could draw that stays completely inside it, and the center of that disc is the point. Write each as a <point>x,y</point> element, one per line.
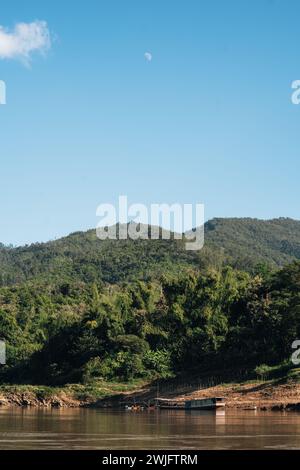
<point>77,309</point>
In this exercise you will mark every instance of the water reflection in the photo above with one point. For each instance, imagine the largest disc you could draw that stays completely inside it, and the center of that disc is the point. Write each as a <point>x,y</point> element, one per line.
<point>39,428</point>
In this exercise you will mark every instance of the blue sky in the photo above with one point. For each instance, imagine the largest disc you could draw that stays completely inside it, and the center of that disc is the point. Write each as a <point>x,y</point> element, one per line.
<point>208,120</point>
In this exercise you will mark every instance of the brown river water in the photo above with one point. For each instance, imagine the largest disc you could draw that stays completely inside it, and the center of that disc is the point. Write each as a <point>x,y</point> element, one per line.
<point>33,428</point>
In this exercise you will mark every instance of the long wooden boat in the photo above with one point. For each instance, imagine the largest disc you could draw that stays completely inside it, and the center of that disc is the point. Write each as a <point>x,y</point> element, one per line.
<point>205,404</point>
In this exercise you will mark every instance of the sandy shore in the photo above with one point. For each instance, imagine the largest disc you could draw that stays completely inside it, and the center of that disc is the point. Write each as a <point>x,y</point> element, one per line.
<point>264,396</point>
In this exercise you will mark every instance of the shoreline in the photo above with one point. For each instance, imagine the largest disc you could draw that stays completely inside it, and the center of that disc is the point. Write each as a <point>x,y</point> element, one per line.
<point>247,395</point>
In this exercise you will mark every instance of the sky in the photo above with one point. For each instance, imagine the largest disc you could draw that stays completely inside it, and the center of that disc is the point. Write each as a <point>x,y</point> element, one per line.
<point>204,117</point>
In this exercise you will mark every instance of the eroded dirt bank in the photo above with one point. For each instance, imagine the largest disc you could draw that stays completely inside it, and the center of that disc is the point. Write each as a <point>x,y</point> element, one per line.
<point>32,399</point>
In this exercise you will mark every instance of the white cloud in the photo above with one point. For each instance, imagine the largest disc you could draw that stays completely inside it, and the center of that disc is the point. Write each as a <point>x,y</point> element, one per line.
<point>148,56</point>
<point>23,40</point>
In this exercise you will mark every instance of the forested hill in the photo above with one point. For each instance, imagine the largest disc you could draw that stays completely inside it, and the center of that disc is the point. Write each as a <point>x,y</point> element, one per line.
<point>247,241</point>
<point>74,321</point>
<point>243,243</point>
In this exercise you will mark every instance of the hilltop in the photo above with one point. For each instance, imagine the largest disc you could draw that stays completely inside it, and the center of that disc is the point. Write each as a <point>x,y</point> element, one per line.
<point>242,243</point>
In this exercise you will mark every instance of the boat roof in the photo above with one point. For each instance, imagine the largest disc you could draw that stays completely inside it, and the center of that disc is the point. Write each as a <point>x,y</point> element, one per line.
<point>207,398</point>
<point>166,399</point>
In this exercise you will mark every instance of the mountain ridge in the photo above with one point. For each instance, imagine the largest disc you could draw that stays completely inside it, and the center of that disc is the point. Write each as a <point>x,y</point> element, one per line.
<point>242,243</point>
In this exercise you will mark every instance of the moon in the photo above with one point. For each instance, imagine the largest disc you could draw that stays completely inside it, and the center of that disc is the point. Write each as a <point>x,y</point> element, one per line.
<point>148,56</point>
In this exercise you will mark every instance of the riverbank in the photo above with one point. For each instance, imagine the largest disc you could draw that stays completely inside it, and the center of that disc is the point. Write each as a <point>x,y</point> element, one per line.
<point>68,396</point>
<point>263,396</point>
<point>280,394</point>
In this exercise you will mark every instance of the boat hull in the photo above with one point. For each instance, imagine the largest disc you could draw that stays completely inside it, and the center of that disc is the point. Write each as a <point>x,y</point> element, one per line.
<point>206,407</point>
